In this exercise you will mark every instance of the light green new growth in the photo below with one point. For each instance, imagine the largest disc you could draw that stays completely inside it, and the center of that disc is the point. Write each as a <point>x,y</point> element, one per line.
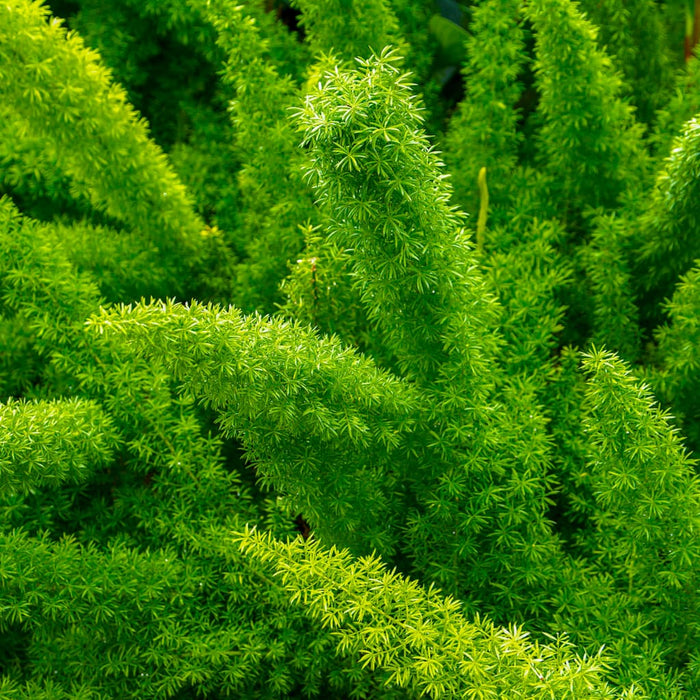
<point>483,210</point>
<point>419,636</point>
<point>381,184</point>
<point>65,96</point>
<point>314,417</point>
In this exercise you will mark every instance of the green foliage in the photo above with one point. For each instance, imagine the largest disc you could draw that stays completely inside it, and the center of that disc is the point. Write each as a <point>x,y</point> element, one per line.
<point>527,270</point>
<point>316,418</point>
<point>646,491</point>
<point>63,95</point>
<point>277,420</point>
<point>269,181</point>
<point>48,442</point>
<point>590,144</point>
<point>634,34</point>
<point>348,29</point>
<point>683,105</point>
<point>636,497</point>
<point>678,377</point>
<point>666,246</point>
<point>615,317</point>
<point>420,637</point>
<point>483,131</point>
<point>378,179</point>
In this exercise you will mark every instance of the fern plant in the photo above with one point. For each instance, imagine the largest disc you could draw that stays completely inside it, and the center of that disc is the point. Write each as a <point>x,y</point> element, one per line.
<point>291,408</point>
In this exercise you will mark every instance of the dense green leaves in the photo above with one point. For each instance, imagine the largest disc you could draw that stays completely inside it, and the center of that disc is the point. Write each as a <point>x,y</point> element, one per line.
<point>647,495</point>
<point>380,182</point>
<point>49,442</point>
<point>420,637</point>
<point>64,96</point>
<point>316,418</point>
<point>678,377</point>
<point>667,244</point>
<point>589,142</point>
<point>264,387</point>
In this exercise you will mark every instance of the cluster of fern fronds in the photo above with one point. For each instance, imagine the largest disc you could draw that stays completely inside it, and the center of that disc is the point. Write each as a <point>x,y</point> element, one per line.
<point>349,349</point>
